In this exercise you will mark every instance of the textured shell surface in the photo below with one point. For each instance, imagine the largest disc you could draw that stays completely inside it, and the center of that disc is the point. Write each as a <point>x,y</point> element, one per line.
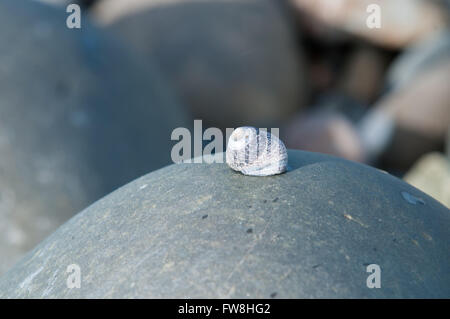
<point>256,152</point>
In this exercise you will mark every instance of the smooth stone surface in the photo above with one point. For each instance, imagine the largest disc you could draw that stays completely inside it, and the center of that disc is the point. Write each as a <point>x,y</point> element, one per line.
<point>79,117</point>
<point>234,62</point>
<point>205,231</point>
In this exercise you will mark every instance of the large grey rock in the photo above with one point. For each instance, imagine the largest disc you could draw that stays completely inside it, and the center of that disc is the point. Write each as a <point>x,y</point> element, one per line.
<point>79,117</point>
<point>235,62</point>
<point>203,230</point>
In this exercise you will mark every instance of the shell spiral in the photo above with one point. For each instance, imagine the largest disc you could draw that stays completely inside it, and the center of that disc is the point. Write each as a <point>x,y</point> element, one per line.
<point>256,152</point>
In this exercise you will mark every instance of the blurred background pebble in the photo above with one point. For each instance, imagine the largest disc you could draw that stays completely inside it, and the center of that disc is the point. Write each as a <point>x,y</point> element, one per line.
<point>234,62</point>
<point>85,111</point>
<point>79,117</point>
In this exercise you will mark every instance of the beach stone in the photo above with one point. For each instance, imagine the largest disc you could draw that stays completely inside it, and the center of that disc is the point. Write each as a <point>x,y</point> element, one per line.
<point>404,22</point>
<point>418,130</point>
<point>57,2</point>
<point>415,60</point>
<point>79,117</point>
<point>234,63</point>
<point>206,231</point>
<point>431,174</point>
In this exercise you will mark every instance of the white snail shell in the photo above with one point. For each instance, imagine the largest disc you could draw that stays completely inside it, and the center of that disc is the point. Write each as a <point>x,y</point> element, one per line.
<point>254,152</point>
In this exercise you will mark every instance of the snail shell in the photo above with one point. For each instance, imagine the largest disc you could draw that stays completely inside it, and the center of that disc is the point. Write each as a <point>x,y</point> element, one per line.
<point>254,152</point>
